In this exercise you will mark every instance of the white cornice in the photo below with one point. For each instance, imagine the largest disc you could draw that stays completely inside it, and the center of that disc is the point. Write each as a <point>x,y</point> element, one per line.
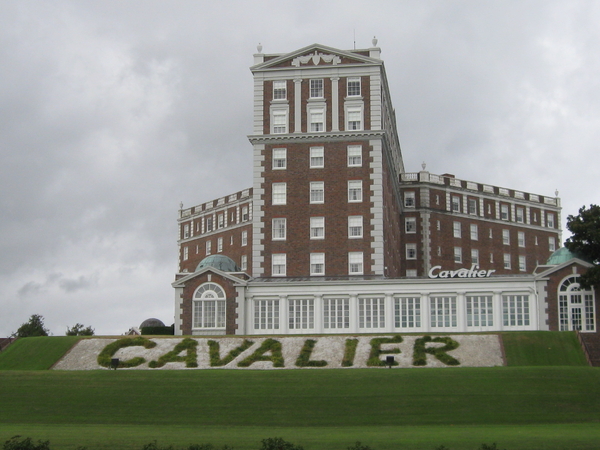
<point>315,137</point>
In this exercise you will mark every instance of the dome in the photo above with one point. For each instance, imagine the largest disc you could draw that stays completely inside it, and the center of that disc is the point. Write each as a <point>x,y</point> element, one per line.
<point>563,255</point>
<point>220,262</point>
<point>152,323</point>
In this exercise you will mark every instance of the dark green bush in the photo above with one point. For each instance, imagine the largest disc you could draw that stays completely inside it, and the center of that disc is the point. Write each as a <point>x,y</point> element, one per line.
<point>374,356</point>
<point>159,331</point>
<point>214,351</point>
<point>108,352</point>
<point>278,444</point>
<point>190,359</point>
<point>304,356</point>
<point>271,345</point>
<point>349,352</point>
<point>420,351</point>
<point>14,443</point>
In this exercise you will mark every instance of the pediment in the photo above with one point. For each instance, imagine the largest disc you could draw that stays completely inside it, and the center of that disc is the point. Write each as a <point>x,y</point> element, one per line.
<point>237,278</point>
<point>315,55</point>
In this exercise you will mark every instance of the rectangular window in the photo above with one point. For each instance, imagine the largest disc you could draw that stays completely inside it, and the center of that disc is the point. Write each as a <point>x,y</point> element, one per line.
<point>317,120</point>
<point>472,206</point>
<point>266,314</point>
<point>278,264</point>
<point>355,191</point>
<point>474,256</point>
<point>209,224</point>
<point>410,224</point>
<point>355,263</point>
<point>317,192</point>
<point>407,312</point>
<point>186,253</point>
<point>506,237</point>
<point>371,312</point>
<point>316,88</point>
<point>279,229</point>
<point>317,264</point>
<point>219,245</point>
<point>279,193</point>
<point>550,220</point>
<point>209,314</point>
<point>522,263</point>
<point>208,247</point>
<point>474,232</point>
<point>411,251</point>
<point>504,212</point>
<point>409,199</point>
<point>520,214</point>
<point>353,87</point>
<point>521,238</point>
<point>355,227</point>
<point>245,216</point>
<point>354,119</point>
<point>301,314</point>
<point>479,311</point>
<point>336,313</point>
<point>279,158</point>
<point>317,227</point>
<point>244,262</point>
<point>244,238</point>
<point>507,260</point>
<point>220,221</point>
<point>443,312</point>
<point>515,310</point>
<point>354,156</point>
<point>456,230</point>
<point>186,231</point>
<point>279,90</point>
<point>458,254</point>
<point>280,122</point>
<point>317,159</point>
<point>455,203</point>
<point>551,244</point>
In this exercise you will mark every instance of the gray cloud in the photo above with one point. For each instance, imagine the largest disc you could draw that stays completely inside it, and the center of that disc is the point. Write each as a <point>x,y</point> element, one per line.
<point>112,113</point>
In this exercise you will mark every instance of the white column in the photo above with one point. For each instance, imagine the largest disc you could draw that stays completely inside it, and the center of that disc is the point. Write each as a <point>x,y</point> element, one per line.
<point>297,105</point>
<point>335,123</point>
<point>497,308</point>
<point>353,304</point>
<point>389,313</point>
<point>461,311</point>
<point>319,314</point>
<point>425,313</point>
<point>283,314</point>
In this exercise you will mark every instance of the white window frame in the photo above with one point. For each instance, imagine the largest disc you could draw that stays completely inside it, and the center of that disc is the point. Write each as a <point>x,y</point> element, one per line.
<point>317,157</point>
<point>186,253</point>
<point>301,314</point>
<point>355,263</point>
<point>278,264</point>
<point>244,240</point>
<point>371,312</point>
<point>244,262</point>
<point>317,227</point>
<point>279,90</point>
<point>409,199</point>
<point>355,227</point>
<point>550,220</point>
<point>507,262</point>
<point>317,192</point>
<point>410,225</point>
<point>474,232</point>
<point>472,206</point>
<point>474,256</point>
<point>411,251</point>
<point>456,229</point>
<point>317,264</point>
<point>219,244</point>
<point>504,212</point>
<point>407,312</point>
<point>208,247</point>
<point>353,87</point>
<point>316,88</point>
<point>279,158</point>
<point>279,193</point>
<point>209,307</point>
<point>455,203</point>
<point>279,229</point>
<point>336,313</point>
<point>354,153</point>
<point>506,237</point>
<point>458,254</point>
<point>522,263</point>
<point>520,214</point>
<point>355,191</point>
<point>521,238</point>
<point>354,118</point>
<point>279,121</point>
<point>316,120</point>
<point>552,244</point>
<point>266,314</point>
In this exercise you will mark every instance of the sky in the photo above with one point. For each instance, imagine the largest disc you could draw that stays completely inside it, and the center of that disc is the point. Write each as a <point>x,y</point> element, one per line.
<point>114,112</point>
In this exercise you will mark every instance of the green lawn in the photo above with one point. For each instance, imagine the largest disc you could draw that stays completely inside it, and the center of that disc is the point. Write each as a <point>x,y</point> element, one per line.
<point>519,408</point>
<point>543,348</point>
<point>35,353</point>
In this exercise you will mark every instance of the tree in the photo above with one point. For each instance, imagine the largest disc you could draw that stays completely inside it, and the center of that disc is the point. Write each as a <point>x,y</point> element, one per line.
<point>80,330</point>
<point>585,241</point>
<point>34,327</point>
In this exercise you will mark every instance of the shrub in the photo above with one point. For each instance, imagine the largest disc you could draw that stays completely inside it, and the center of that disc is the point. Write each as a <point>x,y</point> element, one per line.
<point>159,331</point>
<point>214,351</point>
<point>304,356</point>
<point>420,351</point>
<point>278,444</point>
<point>374,359</point>
<point>26,444</point>
<point>259,354</point>
<point>349,352</point>
<point>107,352</point>
<point>190,359</point>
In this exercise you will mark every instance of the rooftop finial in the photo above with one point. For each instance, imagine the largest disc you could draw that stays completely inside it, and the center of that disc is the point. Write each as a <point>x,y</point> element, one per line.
<point>423,165</point>
<point>259,47</point>
<point>374,41</point>
<point>556,193</point>
<point>180,205</point>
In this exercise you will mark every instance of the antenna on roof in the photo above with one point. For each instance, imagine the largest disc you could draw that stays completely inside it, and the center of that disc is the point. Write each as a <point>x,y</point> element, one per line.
<point>354,36</point>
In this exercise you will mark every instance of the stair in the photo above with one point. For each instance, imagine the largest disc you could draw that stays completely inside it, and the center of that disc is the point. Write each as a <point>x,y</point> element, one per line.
<point>591,345</point>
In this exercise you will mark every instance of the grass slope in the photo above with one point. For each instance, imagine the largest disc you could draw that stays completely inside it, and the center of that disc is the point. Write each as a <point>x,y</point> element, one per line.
<point>543,348</point>
<point>36,353</point>
<point>321,408</point>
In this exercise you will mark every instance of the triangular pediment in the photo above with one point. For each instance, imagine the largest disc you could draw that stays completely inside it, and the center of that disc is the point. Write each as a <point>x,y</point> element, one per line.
<point>316,55</point>
<point>546,271</point>
<point>236,278</point>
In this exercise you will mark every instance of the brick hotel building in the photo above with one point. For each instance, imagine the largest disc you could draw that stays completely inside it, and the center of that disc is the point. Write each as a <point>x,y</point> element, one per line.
<point>335,236</point>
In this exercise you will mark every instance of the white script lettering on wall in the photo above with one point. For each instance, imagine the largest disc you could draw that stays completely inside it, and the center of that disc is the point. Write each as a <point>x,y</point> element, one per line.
<point>473,272</point>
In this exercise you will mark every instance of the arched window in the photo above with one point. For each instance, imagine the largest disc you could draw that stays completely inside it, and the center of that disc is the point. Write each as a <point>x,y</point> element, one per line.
<point>575,306</point>
<point>209,306</point>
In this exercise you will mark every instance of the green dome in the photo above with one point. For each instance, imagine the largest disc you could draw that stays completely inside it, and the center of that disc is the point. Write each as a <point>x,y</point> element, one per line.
<point>220,262</point>
<point>562,255</point>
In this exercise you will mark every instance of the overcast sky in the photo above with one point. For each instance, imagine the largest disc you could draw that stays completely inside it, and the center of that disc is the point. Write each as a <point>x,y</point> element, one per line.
<point>113,112</point>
